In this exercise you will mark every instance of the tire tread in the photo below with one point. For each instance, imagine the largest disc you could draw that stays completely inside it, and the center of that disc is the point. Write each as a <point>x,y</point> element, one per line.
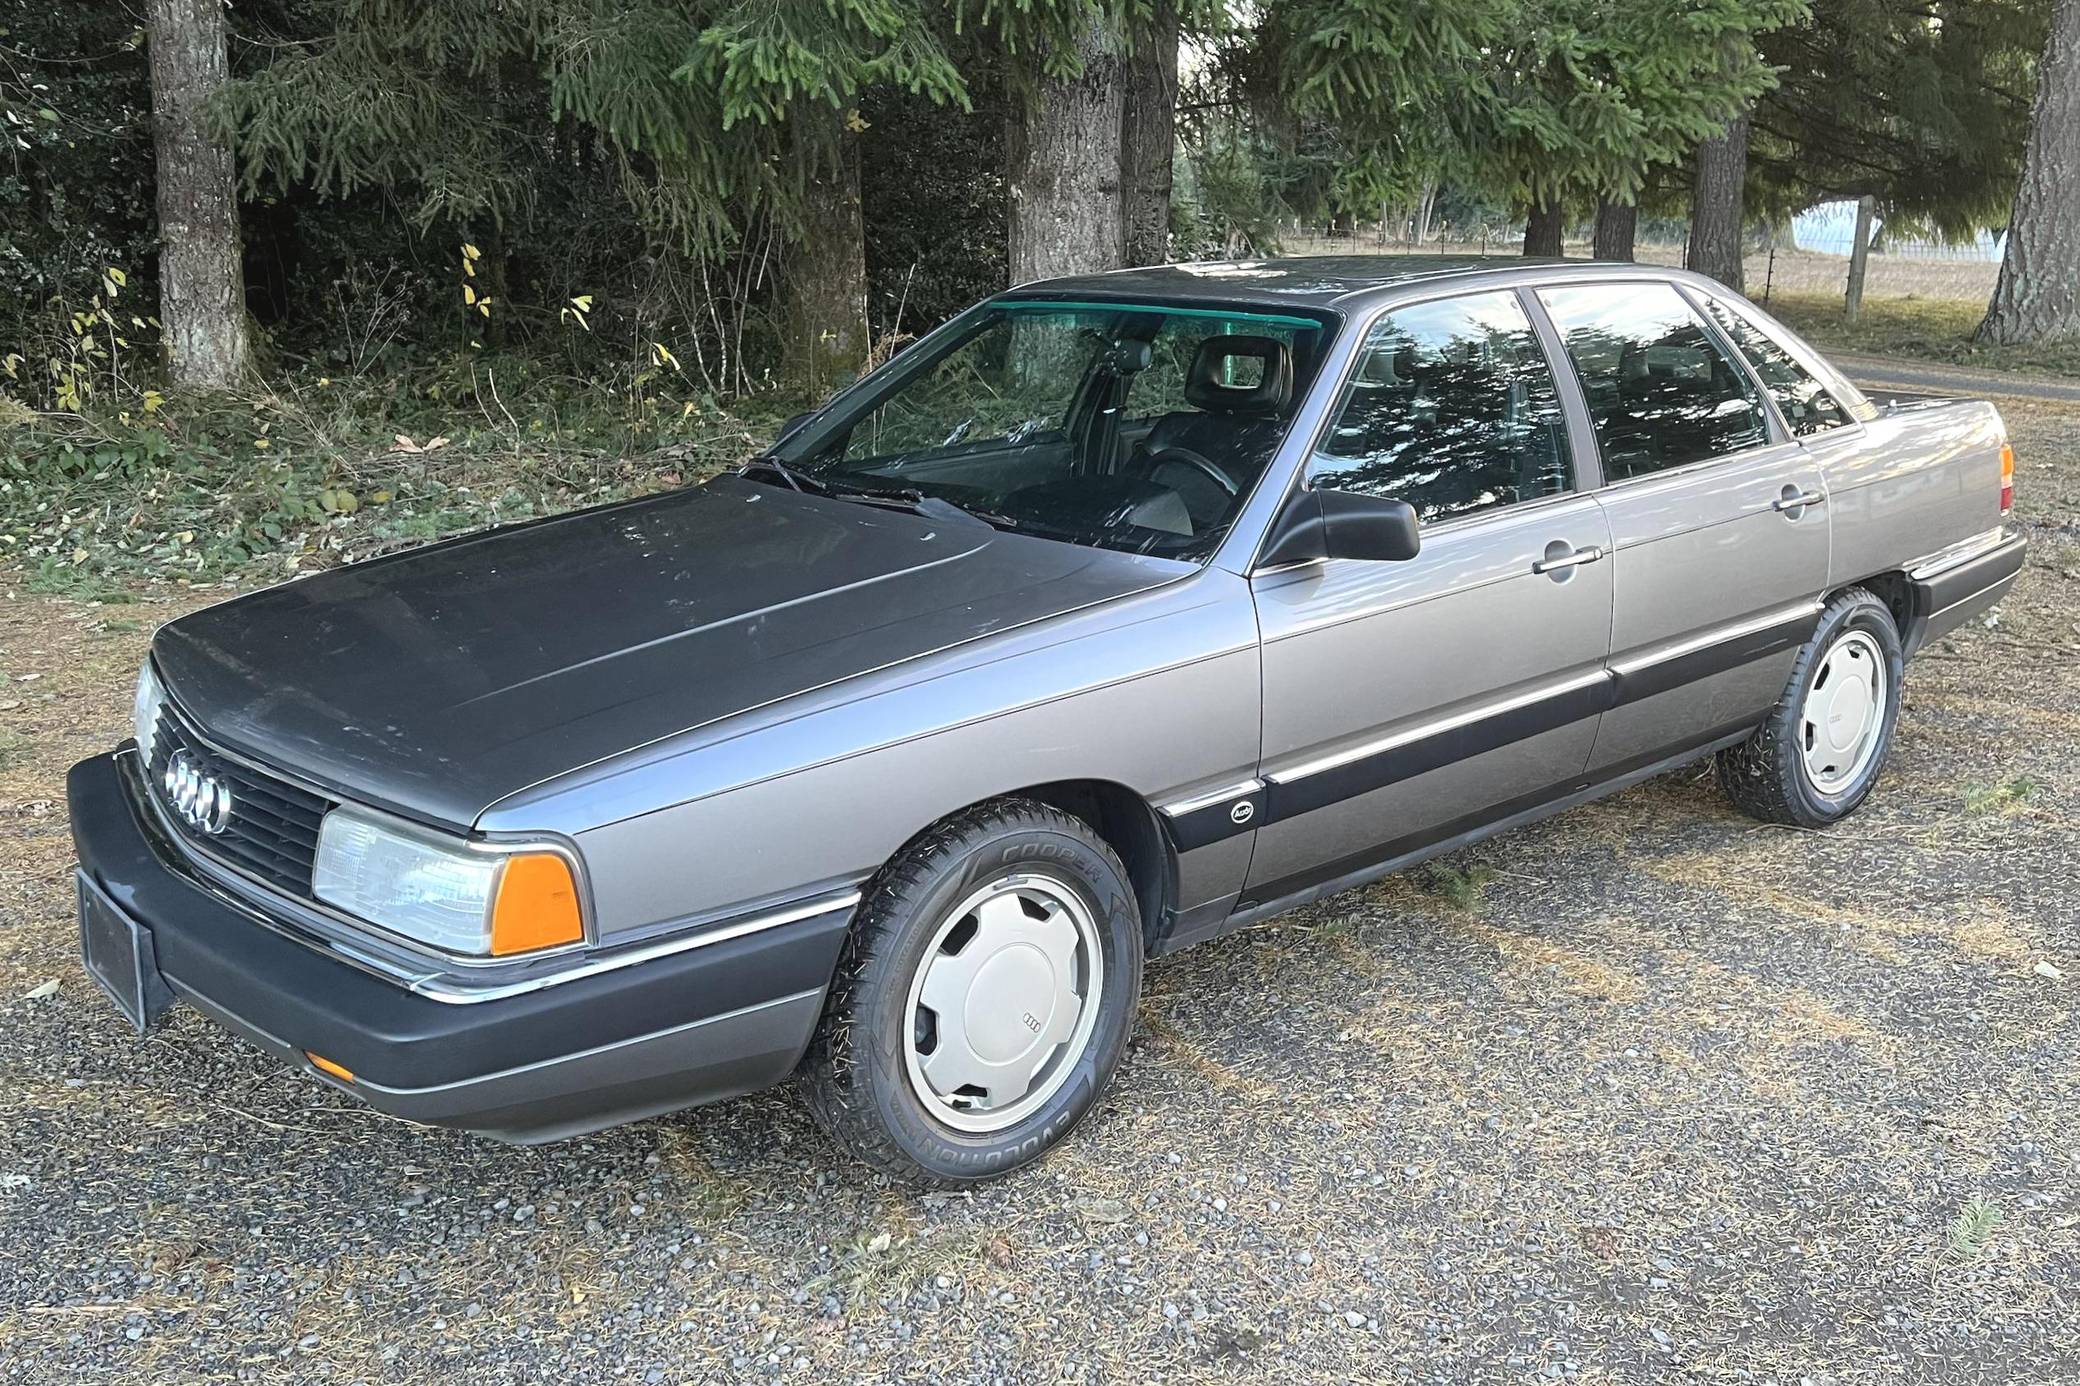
<point>1761,774</point>
<point>835,1070</point>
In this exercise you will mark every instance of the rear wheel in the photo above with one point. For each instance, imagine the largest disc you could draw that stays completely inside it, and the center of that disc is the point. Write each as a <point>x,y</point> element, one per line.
<point>1815,760</point>
<point>984,997</point>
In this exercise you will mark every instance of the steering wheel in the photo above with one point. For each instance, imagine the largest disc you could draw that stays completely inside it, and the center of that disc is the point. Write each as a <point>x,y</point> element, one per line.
<point>1196,461</point>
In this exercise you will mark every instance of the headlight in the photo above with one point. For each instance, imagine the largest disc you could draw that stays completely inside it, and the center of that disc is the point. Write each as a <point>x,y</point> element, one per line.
<point>144,709</point>
<point>461,899</point>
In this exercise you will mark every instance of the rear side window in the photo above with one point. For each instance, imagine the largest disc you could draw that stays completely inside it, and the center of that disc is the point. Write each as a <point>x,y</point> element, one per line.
<point>1801,399</point>
<point>1660,391</point>
<point>1452,408</point>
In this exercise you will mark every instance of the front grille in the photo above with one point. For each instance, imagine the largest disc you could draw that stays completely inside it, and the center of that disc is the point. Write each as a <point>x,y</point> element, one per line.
<point>272,830</point>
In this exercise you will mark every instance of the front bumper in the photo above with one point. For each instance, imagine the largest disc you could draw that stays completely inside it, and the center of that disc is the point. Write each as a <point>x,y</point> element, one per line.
<point>670,1032</point>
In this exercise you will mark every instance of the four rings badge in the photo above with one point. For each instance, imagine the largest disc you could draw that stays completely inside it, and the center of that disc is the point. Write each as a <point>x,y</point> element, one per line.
<point>201,799</point>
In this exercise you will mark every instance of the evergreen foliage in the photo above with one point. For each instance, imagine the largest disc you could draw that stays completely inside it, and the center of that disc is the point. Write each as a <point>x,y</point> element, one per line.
<point>1921,104</point>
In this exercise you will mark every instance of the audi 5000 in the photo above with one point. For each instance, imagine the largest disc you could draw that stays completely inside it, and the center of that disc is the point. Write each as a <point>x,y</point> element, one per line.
<point>1118,613</point>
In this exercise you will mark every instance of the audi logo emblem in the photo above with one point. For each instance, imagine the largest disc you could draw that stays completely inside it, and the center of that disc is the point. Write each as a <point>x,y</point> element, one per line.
<point>201,799</point>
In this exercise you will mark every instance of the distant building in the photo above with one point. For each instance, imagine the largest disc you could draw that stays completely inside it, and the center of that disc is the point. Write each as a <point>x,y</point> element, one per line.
<point>1830,229</point>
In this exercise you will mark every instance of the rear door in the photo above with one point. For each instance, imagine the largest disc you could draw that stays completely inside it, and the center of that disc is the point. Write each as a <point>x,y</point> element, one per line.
<point>1718,519</point>
<point>1407,701</point>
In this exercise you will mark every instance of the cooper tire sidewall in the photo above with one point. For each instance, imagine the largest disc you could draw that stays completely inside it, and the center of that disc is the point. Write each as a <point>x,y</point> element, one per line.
<point>1875,620</point>
<point>1072,864</point>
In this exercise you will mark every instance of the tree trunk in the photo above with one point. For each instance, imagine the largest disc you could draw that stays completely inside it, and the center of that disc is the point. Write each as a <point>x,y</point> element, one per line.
<point>1425,210</point>
<point>1148,139</point>
<point>826,298</point>
<point>202,301</point>
<point>1859,259</point>
<point>1065,203</point>
<point>1717,211</point>
<point>1544,229</point>
<point>2037,297</point>
<point>1617,227</point>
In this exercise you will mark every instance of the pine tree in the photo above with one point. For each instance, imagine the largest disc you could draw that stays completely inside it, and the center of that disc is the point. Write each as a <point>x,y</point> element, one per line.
<point>1064,176</point>
<point>1922,105</point>
<point>1718,205</point>
<point>1590,96</point>
<point>2037,297</point>
<point>1148,138</point>
<point>710,115</point>
<point>202,303</point>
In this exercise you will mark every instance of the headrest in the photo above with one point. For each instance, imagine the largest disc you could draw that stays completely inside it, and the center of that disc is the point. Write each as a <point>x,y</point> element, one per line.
<point>1394,365</point>
<point>1261,369</point>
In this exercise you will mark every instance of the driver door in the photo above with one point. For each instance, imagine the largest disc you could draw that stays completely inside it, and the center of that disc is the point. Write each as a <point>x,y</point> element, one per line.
<point>1408,702</point>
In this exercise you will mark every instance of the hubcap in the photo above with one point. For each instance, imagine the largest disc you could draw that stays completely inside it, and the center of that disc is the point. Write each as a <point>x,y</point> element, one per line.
<point>1003,1003</point>
<point>1844,713</point>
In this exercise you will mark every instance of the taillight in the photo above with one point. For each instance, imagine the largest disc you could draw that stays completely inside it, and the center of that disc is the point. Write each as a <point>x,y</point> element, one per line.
<point>2007,478</point>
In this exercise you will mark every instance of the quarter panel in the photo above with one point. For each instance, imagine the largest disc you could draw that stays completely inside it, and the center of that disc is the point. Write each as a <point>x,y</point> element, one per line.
<point>1919,478</point>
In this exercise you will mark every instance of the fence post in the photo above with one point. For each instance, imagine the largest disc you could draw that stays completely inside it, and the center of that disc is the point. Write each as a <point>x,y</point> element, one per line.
<point>1859,259</point>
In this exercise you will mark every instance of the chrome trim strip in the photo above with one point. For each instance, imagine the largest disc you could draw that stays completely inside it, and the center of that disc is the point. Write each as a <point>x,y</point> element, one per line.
<point>436,990</point>
<point>1717,635</point>
<point>1443,724</point>
<point>1958,554</point>
<point>1239,789</point>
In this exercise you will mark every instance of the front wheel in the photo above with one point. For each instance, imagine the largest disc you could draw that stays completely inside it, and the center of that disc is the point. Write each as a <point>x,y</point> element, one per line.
<point>984,996</point>
<point>1825,743</point>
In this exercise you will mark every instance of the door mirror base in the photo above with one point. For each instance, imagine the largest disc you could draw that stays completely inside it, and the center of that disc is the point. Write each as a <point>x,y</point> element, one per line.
<point>1320,524</point>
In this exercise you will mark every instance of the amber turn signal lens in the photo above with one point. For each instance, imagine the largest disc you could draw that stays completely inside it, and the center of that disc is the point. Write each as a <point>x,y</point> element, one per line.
<point>339,1071</point>
<point>2007,478</point>
<point>536,905</point>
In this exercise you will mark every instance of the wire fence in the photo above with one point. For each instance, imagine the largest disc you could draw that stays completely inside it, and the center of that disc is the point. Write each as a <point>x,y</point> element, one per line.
<point>1912,269</point>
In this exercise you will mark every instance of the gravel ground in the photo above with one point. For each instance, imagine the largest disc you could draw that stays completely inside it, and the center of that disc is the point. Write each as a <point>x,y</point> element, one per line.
<point>1647,1092</point>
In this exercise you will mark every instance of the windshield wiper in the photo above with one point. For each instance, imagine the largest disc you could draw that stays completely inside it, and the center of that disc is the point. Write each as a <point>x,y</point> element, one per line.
<point>919,503</point>
<point>793,476</point>
<point>891,497</point>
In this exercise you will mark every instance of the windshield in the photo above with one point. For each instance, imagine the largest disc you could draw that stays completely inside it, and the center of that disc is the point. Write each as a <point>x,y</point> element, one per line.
<point>1125,426</point>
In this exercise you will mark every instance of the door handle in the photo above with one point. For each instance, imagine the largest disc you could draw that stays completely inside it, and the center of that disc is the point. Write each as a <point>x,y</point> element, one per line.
<point>1567,560</point>
<point>1797,500</point>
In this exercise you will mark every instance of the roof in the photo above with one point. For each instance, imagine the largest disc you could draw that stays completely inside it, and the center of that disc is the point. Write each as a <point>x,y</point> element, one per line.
<point>1314,281</point>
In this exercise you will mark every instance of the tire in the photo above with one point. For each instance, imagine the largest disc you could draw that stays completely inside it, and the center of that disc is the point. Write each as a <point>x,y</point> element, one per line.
<point>919,930</point>
<point>1794,769</point>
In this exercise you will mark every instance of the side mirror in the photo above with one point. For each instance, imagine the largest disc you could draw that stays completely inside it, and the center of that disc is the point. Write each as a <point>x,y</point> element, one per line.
<point>793,423</point>
<point>1342,524</point>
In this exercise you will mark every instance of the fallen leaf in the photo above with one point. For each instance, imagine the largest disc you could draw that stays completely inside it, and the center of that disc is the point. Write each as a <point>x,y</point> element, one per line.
<point>1107,1210</point>
<point>49,988</point>
<point>2046,970</point>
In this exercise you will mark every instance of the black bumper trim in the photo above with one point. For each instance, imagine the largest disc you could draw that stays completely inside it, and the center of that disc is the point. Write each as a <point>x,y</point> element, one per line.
<point>290,997</point>
<point>1945,600</point>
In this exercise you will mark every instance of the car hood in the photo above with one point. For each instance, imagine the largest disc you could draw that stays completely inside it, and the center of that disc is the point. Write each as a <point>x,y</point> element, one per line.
<point>438,681</point>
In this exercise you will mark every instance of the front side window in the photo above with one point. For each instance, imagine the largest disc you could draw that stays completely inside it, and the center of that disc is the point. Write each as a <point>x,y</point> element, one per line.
<point>1801,399</point>
<point>1127,426</point>
<point>1660,391</point>
<point>1451,408</point>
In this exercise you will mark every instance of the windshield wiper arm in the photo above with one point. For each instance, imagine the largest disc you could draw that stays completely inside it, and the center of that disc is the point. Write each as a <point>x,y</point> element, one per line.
<point>795,477</point>
<point>893,497</point>
<point>920,503</point>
